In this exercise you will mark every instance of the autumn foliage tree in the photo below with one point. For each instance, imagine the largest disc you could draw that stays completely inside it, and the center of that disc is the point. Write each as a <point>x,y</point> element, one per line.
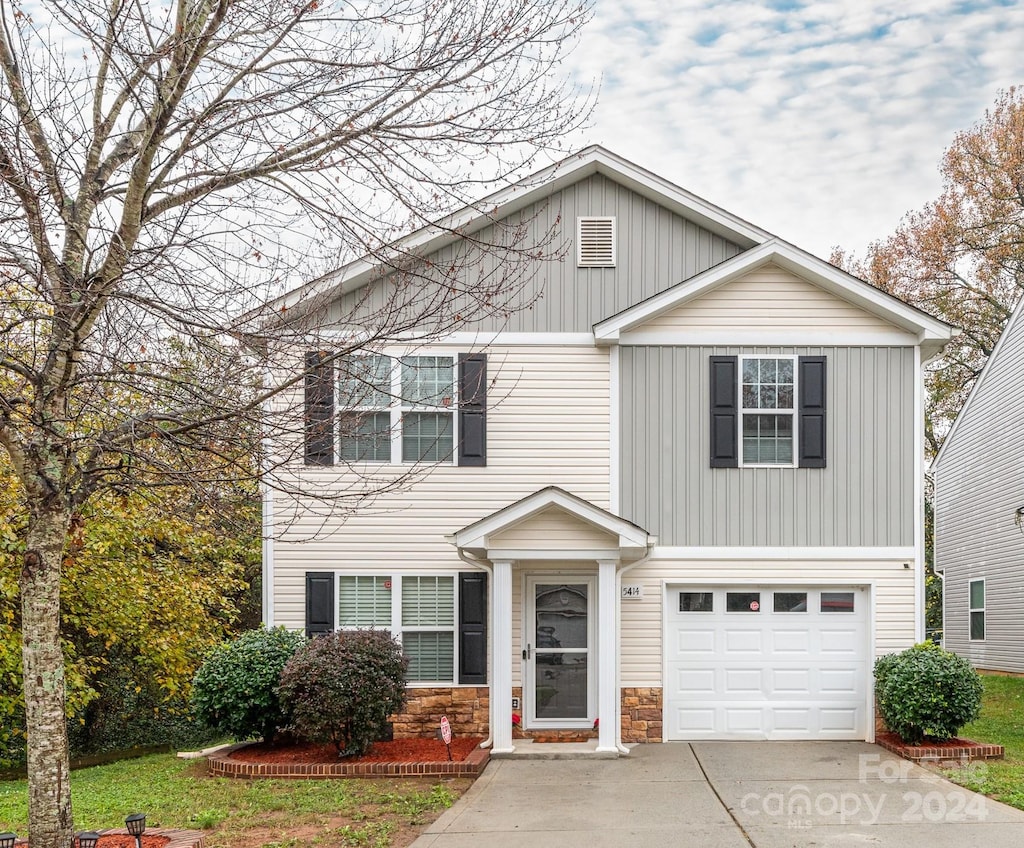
<point>164,167</point>
<point>961,257</point>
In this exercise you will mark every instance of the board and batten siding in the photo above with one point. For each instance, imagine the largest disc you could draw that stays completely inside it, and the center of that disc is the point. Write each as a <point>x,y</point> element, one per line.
<point>642,647</point>
<point>768,297</point>
<point>656,249</point>
<point>864,497</point>
<point>547,424</point>
<point>979,486</point>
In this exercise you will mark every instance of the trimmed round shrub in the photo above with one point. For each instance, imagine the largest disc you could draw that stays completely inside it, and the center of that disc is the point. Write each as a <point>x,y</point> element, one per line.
<point>235,690</point>
<point>926,691</point>
<point>342,687</point>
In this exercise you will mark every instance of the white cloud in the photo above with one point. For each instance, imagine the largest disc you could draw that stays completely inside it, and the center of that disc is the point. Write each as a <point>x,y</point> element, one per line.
<point>822,122</point>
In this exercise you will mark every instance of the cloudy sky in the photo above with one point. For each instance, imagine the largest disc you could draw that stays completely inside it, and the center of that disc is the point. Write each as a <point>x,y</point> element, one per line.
<point>822,121</point>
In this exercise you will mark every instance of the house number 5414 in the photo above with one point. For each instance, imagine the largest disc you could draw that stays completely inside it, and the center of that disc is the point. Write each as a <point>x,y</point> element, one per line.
<point>632,591</point>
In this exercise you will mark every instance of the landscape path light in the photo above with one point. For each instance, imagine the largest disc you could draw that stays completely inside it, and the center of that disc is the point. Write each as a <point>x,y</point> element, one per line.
<point>7,840</point>
<point>88,839</point>
<point>136,824</point>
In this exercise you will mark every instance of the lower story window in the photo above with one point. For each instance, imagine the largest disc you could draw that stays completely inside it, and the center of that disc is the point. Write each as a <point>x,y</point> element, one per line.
<point>418,610</point>
<point>977,610</point>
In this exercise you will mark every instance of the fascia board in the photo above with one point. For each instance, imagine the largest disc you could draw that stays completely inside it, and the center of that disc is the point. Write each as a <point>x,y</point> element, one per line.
<point>476,535</point>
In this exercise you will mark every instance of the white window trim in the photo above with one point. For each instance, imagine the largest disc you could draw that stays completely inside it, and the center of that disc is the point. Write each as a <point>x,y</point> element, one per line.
<point>971,609</point>
<point>396,630</point>
<point>743,411</point>
<point>580,263</point>
<point>397,406</point>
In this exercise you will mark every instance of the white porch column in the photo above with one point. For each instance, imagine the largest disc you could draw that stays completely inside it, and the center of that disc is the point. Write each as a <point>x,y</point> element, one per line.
<point>607,658</point>
<point>501,658</point>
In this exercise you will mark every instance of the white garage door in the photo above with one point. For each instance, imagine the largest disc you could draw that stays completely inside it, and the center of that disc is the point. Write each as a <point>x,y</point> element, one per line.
<point>766,662</point>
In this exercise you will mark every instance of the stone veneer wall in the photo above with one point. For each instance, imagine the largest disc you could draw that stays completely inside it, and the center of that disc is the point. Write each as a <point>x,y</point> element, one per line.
<point>466,707</point>
<point>641,714</point>
<point>467,710</point>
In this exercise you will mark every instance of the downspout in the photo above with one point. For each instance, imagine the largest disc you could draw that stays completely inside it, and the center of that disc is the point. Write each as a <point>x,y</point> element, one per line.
<point>652,541</point>
<point>483,564</point>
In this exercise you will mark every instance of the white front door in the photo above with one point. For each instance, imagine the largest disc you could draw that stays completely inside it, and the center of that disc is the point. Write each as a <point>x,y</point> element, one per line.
<point>559,672</point>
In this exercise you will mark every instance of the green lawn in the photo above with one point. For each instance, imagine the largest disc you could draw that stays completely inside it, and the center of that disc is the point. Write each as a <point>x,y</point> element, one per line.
<point>1001,723</point>
<point>246,814</point>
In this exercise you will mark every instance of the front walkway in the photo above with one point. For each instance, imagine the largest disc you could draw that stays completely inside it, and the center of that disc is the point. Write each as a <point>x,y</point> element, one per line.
<point>723,795</point>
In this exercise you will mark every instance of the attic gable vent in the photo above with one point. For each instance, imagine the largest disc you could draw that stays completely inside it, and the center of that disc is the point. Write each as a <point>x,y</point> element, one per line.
<point>595,242</point>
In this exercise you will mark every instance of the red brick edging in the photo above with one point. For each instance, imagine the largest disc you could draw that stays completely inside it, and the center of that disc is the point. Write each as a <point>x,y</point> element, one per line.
<point>178,838</point>
<point>222,764</point>
<point>954,749</point>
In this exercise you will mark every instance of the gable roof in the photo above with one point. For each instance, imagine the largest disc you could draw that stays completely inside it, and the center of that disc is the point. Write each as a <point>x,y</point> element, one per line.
<point>1010,328</point>
<point>587,162</point>
<point>474,536</point>
<point>932,334</point>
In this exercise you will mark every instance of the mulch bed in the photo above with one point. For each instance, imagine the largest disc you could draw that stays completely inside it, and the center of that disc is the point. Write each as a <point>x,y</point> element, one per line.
<point>398,751</point>
<point>933,751</point>
<point>160,838</point>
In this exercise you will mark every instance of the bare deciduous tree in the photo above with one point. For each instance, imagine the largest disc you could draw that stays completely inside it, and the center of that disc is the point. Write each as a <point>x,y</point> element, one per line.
<point>162,168</point>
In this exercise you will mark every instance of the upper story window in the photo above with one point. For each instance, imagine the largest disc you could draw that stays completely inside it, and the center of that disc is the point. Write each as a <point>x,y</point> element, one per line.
<point>767,404</point>
<point>977,609</point>
<point>768,411</point>
<point>595,242</point>
<point>397,410</point>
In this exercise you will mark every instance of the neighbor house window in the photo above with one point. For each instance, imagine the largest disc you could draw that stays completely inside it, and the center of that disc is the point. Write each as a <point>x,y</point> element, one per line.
<point>767,405</point>
<point>397,410</point>
<point>419,611</point>
<point>977,609</point>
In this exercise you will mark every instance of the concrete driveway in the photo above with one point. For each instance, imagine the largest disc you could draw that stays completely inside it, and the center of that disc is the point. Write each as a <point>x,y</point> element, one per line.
<point>723,795</point>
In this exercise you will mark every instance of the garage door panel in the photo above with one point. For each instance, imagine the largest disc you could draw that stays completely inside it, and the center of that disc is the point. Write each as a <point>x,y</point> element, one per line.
<point>743,640</point>
<point>695,642</point>
<point>791,680</point>
<point>696,681</point>
<point>743,681</point>
<point>798,673</point>
<point>793,642</point>
<point>743,720</point>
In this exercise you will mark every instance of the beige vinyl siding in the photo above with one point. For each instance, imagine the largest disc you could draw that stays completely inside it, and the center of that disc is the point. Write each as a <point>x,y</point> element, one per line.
<point>772,298</point>
<point>642,648</point>
<point>547,424</point>
<point>552,529</point>
<point>655,249</point>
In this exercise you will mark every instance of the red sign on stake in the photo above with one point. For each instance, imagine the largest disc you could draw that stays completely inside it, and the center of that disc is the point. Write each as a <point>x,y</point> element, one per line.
<point>446,735</point>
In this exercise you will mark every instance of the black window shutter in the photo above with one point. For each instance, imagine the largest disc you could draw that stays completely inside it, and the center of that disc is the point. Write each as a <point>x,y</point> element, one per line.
<point>319,413</point>
<point>812,411</point>
<point>724,412</point>
<point>473,627</point>
<point>473,409</point>
<point>319,603</point>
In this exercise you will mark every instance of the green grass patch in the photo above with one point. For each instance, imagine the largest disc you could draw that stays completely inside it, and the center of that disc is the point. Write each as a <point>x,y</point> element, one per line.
<point>1001,723</point>
<point>243,814</point>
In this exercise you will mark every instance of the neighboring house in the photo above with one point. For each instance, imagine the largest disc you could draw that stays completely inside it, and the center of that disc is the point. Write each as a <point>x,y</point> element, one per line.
<point>681,494</point>
<point>979,513</point>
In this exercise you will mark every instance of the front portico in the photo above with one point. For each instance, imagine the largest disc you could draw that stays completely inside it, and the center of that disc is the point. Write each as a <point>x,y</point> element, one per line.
<point>556,562</point>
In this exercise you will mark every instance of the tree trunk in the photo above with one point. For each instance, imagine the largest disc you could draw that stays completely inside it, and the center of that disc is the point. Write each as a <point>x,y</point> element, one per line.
<point>49,792</point>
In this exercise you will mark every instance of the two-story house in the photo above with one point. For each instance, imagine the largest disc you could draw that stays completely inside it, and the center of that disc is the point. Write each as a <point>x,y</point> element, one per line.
<point>678,497</point>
